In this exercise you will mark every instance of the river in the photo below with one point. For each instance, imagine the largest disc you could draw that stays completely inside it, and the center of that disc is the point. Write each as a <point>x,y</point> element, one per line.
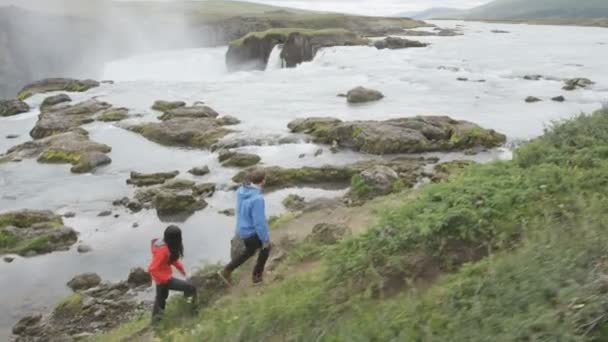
<point>415,82</point>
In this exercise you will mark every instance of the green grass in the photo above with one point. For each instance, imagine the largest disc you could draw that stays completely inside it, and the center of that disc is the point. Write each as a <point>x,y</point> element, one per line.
<point>124,332</point>
<point>283,33</point>
<point>507,251</point>
<point>69,306</point>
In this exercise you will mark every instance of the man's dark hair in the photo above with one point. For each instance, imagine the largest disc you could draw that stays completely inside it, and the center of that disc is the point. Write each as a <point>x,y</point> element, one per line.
<point>257,176</point>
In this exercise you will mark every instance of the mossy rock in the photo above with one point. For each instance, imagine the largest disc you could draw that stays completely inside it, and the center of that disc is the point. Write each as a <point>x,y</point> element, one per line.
<point>164,106</point>
<point>294,202</point>
<point>27,218</point>
<point>186,132</point>
<point>241,160</point>
<point>147,179</point>
<point>56,84</point>
<point>325,176</point>
<point>69,306</point>
<point>113,115</point>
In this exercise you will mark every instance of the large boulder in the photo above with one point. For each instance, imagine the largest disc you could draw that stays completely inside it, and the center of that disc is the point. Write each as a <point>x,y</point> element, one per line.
<point>56,84</point>
<point>84,281</point>
<point>294,202</point>
<point>54,100</point>
<point>228,120</point>
<point>252,51</point>
<point>394,43</point>
<point>380,179</point>
<point>13,107</point>
<point>31,232</point>
<point>73,147</point>
<point>403,135</point>
<point>189,112</point>
<point>57,120</point>
<point>187,132</point>
<point>113,114</point>
<point>361,95</point>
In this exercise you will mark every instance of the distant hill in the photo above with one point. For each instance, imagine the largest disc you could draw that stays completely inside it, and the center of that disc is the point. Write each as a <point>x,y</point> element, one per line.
<point>539,9</point>
<point>437,13</point>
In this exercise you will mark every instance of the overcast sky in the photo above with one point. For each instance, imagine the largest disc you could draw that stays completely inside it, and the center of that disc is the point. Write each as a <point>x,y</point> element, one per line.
<point>369,7</point>
<point>373,7</point>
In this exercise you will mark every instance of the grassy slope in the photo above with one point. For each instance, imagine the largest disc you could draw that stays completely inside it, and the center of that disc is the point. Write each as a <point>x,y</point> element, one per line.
<point>506,251</point>
<point>524,9</point>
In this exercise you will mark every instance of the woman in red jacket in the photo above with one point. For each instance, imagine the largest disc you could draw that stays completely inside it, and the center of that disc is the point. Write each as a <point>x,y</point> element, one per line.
<point>166,253</point>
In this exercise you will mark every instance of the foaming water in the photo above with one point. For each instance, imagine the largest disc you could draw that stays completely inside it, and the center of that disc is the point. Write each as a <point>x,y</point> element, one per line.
<point>415,82</point>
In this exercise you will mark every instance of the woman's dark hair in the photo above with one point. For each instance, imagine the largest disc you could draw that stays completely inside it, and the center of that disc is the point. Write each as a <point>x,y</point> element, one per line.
<point>173,239</point>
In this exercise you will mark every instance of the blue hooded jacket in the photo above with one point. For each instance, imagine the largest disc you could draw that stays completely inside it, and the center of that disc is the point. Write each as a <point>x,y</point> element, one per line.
<point>251,213</point>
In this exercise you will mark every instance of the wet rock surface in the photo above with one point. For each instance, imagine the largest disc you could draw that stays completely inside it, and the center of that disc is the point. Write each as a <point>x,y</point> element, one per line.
<point>13,107</point>
<point>174,200</point>
<point>60,119</point>
<point>198,111</point>
<point>238,159</point>
<point>93,308</point>
<point>532,99</point>
<point>199,170</point>
<point>558,99</point>
<point>147,179</point>
<point>164,106</point>
<point>33,232</point>
<point>228,120</point>
<point>73,147</point>
<point>54,100</point>
<point>56,84</point>
<point>113,115</point>
<point>405,135</point>
<point>362,95</point>
<point>186,132</point>
<point>394,43</point>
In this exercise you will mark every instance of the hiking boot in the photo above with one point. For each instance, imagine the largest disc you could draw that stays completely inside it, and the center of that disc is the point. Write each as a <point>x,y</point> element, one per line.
<point>257,279</point>
<point>226,276</point>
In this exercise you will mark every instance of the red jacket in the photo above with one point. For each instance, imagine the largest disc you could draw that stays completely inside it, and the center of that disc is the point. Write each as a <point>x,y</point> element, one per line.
<point>160,267</point>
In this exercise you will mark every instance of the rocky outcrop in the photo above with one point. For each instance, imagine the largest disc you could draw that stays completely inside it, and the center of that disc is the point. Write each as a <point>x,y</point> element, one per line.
<point>138,277</point>
<point>93,308</point>
<point>252,51</point>
<point>56,84</point>
<point>409,170</point>
<point>362,95</point>
<point>575,83</point>
<point>174,201</point>
<point>239,141</point>
<point>189,112</point>
<point>13,107</point>
<point>187,132</point>
<point>61,119</point>
<point>404,135</point>
<point>73,147</point>
<point>238,159</point>
<point>148,179</point>
<point>394,43</point>
<point>32,232</point>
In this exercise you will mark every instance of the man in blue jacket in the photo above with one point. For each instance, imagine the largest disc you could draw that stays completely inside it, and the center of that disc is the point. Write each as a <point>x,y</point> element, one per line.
<point>251,226</point>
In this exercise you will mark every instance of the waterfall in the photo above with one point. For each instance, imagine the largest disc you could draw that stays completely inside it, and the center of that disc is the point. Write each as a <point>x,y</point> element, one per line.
<point>274,60</point>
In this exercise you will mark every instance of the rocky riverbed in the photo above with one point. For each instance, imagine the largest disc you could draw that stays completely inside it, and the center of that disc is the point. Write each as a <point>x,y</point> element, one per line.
<point>76,163</point>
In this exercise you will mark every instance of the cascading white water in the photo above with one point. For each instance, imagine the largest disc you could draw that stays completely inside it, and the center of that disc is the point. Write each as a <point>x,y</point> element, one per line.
<point>274,60</point>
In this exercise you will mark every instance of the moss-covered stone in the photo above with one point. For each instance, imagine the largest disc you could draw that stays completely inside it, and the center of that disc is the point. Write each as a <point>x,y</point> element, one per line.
<point>277,177</point>
<point>404,135</point>
<point>56,84</point>
<point>148,179</point>
<point>69,306</point>
<point>164,106</point>
<point>187,132</point>
<point>294,202</point>
<point>241,160</point>
<point>13,107</point>
<point>34,232</point>
<point>114,115</point>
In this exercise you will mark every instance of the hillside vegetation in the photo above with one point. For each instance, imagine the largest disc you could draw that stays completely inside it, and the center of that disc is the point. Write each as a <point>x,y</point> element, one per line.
<point>507,251</point>
<point>540,9</point>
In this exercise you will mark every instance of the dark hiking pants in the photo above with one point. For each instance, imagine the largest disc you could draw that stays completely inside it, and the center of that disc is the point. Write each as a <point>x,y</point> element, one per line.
<point>162,292</point>
<point>252,245</point>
